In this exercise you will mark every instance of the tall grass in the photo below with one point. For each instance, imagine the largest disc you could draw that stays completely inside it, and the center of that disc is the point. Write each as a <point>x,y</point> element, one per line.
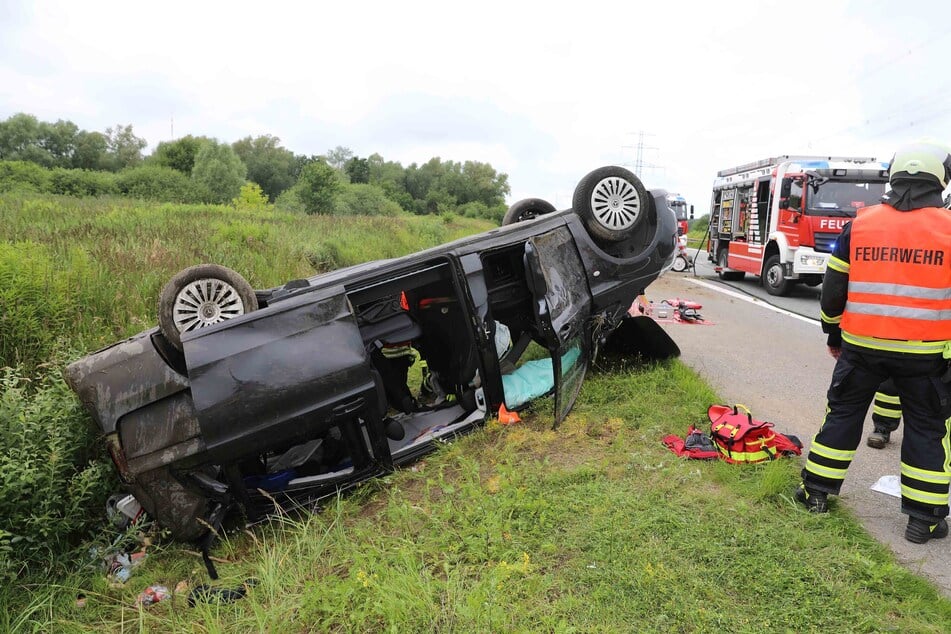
<point>88,271</point>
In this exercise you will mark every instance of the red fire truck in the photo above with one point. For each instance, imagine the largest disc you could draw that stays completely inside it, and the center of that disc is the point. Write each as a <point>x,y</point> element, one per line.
<point>778,218</point>
<point>679,204</point>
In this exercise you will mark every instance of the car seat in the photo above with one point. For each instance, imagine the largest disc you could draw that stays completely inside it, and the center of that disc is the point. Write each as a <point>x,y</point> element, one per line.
<point>446,343</point>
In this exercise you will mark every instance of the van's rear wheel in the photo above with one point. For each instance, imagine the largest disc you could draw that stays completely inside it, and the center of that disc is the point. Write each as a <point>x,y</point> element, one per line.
<point>202,296</point>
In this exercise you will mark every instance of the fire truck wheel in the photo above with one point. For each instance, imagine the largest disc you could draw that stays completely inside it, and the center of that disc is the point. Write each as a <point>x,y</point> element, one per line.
<point>526,210</point>
<point>774,278</point>
<point>725,275</point>
<point>612,202</point>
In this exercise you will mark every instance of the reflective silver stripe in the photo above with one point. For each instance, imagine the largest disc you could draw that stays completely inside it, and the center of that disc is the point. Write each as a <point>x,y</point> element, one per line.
<point>888,310</point>
<point>900,290</point>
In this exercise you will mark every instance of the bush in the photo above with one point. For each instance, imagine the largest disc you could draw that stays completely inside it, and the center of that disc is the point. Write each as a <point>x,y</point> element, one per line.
<point>365,200</point>
<point>289,200</point>
<point>20,176</point>
<point>219,171</point>
<point>155,182</point>
<point>699,225</point>
<point>478,209</point>
<point>52,486</point>
<point>77,182</point>
<point>251,197</point>
<point>317,187</point>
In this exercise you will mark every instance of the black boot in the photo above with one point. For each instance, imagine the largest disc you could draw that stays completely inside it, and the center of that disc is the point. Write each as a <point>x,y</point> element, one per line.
<point>814,501</point>
<point>919,531</point>
<point>878,439</point>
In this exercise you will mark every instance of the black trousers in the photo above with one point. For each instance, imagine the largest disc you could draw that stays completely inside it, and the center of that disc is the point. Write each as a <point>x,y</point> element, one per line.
<point>926,442</point>
<point>886,409</point>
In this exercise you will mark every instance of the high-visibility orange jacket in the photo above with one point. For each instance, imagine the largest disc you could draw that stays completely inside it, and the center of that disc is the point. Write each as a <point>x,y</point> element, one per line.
<point>900,275</point>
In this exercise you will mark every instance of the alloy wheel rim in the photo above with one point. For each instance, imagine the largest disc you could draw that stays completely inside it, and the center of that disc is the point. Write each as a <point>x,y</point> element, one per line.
<point>615,203</point>
<point>204,303</point>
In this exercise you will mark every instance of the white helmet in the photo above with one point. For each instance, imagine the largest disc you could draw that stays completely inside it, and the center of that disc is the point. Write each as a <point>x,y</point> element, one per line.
<point>924,160</point>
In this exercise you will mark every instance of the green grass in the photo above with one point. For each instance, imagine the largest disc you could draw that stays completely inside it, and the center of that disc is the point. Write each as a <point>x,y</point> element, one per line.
<point>595,527</point>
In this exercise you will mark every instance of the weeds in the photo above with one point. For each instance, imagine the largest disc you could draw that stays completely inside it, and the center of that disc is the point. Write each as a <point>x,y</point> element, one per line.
<point>53,482</point>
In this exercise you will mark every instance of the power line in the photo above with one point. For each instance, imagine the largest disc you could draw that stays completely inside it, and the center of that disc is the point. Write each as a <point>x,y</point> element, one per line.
<point>906,114</point>
<point>639,163</point>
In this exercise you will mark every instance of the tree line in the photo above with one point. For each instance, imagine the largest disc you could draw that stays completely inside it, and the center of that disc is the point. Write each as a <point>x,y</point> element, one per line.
<point>59,157</point>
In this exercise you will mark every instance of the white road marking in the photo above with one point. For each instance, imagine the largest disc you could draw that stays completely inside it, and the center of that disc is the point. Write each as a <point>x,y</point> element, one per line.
<point>753,300</point>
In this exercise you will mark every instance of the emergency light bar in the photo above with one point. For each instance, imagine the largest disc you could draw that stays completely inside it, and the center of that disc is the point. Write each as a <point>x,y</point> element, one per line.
<point>792,157</point>
<point>872,174</point>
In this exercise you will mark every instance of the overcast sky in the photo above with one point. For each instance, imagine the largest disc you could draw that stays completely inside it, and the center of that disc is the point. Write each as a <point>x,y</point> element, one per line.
<point>544,92</point>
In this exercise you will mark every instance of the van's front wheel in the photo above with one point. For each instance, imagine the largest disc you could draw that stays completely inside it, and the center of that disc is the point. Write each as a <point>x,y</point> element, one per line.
<point>526,210</point>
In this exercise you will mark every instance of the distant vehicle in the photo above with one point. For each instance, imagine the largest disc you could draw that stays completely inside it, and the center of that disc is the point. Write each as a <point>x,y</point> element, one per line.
<point>301,390</point>
<point>679,204</point>
<point>778,218</point>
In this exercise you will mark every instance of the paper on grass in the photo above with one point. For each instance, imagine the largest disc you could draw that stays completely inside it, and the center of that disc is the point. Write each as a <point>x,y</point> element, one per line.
<point>889,485</point>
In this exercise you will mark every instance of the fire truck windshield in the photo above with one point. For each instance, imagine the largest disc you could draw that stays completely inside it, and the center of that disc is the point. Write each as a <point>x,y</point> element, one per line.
<point>826,197</point>
<point>680,208</point>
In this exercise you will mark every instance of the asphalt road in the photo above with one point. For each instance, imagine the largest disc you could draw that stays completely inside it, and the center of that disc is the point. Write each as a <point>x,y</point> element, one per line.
<point>776,363</point>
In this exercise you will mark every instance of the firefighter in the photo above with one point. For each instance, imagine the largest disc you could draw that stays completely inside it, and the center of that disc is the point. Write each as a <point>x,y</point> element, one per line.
<point>886,408</point>
<point>886,415</point>
<point>886,307</point>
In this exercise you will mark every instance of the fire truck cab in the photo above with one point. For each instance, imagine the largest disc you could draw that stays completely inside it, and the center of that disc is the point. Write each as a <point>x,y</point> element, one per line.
<point>778,218</point>
<point>679,204</point>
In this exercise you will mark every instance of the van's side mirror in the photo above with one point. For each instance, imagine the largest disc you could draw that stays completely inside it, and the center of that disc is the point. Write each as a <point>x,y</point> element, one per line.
<point>691,212</point>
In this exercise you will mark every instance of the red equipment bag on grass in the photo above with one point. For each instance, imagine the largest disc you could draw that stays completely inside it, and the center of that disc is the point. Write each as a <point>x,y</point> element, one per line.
<point>740,438</point>
<point>697,445</point>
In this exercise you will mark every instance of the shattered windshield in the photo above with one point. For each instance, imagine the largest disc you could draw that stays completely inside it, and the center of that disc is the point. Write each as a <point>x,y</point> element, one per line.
<point>841,198</point>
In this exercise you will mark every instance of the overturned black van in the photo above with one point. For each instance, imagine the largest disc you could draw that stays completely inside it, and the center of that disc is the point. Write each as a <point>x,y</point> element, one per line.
<point>243,396</point>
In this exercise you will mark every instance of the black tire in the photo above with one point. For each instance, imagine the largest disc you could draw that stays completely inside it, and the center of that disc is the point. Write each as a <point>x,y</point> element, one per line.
<point>774,278</point>
<point>201,296</point>
<point>725,275</point>
<point>612,202</point>
<point>680,264</point>
<point>526,210</point>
